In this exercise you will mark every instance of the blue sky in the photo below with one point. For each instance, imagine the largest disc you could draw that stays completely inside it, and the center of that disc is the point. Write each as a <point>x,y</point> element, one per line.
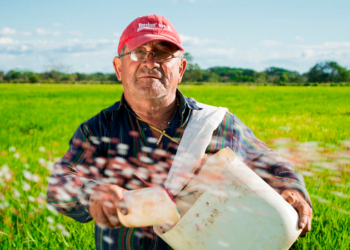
<point>83,36</point>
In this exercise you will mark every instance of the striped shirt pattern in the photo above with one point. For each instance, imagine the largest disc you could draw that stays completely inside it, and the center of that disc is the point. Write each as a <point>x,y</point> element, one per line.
<point>70,183</point>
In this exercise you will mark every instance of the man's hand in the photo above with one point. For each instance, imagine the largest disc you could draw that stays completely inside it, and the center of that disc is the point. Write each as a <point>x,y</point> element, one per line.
<point>296,199</point>
<point>103,205</point>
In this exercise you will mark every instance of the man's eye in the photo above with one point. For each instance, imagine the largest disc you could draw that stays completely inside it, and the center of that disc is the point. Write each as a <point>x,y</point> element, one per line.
<point>140,52</point>
<point>162,53</point>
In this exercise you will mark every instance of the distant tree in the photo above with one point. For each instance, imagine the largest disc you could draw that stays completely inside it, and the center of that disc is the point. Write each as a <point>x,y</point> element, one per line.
<point>279,75</point>
<point>55,75</point>
<point>82,77</point>
<point>188,57</point>
<point>193,73</point>
<point>260,77</point>
<point>113,78</point>
<point>34,78</point>
<point>276,71</point>
<point>98,77</point>
<point>321,72</point>
<point>328,72</point>
<point>13,76</point>
<point>209,76</point>
<point>68,77</point>
<point>235,74</point>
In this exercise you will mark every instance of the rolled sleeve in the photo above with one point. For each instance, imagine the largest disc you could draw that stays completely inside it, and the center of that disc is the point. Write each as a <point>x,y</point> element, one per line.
<point>267,163</point>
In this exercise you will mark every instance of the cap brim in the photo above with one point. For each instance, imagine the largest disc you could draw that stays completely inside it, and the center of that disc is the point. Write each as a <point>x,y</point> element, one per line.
<point>137,41</point>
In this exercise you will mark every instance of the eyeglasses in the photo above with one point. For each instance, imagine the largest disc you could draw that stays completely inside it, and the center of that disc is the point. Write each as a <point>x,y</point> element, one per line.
<point>142,55</point>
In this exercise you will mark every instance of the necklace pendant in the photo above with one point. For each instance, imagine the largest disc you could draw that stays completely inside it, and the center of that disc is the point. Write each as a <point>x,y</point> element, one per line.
<point>159,140</point>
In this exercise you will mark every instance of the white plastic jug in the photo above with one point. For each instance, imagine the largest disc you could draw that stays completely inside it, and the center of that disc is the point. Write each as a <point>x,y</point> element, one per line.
<point>239,211</point>
<point>148,207</point>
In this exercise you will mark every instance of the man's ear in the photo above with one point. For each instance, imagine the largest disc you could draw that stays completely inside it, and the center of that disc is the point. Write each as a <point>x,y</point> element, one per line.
<point>182,68</point>
<point>117,64</point>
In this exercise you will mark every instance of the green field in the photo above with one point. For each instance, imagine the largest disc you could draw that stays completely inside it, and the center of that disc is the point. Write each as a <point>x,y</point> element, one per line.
<point>309,125</point>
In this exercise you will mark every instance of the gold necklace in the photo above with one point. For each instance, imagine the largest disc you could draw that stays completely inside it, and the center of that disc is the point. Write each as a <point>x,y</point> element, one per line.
<point>162,133</point>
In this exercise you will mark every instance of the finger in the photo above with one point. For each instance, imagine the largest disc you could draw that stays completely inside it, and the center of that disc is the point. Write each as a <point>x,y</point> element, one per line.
<point>98,215</point>
<point>307,228</point>
<point>121,206</point>
<point>102,220</point>
<point>304,214</point>
<point>118,199</point>
<point>120,203</point>
<point>110,214</point>
<point>309,223</point>
<point>289,196</point>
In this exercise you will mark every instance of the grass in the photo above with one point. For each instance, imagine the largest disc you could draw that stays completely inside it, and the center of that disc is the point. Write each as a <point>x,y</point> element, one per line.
<point>37,122</point>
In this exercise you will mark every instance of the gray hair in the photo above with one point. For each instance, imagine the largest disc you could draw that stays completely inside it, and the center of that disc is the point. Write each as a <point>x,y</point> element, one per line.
<point>122,50</point>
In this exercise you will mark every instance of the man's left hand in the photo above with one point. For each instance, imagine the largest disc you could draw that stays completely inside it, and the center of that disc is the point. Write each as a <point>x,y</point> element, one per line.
<point>296,199</point>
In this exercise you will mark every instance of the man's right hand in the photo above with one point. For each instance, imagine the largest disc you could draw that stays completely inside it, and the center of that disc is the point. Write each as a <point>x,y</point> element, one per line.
<point>103,205</point>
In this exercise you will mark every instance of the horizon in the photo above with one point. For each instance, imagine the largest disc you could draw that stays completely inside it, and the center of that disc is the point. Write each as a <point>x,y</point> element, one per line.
<point>82,36</point>
<point>95,72</point>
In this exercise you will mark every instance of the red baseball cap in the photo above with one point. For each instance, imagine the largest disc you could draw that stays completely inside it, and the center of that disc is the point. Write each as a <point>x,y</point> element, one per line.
<point>149,28</point>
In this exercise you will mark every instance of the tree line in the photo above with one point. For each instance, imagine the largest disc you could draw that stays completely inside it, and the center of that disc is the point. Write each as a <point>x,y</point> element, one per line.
<point>322,73</point>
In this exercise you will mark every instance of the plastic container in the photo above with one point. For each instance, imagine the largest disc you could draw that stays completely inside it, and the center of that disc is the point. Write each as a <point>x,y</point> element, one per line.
<point>148,207</point>
<point>238,211</point>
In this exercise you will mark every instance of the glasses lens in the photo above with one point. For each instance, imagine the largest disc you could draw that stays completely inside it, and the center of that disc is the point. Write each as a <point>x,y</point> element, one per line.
<point>142,55</point>
<point>138,55</point>
<point>162,55</point>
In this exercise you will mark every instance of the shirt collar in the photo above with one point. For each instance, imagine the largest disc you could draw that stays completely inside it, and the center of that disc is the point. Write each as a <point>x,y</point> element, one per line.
<point>187,102</point>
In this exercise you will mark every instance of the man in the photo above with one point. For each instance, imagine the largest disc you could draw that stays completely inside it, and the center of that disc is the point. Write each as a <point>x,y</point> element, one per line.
<point>140,134</point>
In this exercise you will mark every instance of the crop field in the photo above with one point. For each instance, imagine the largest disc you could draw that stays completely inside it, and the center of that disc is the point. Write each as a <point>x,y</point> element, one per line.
<point>308,125</point>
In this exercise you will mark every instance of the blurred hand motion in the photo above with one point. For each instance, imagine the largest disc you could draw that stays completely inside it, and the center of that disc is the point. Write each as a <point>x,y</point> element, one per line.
<point>103,205</point>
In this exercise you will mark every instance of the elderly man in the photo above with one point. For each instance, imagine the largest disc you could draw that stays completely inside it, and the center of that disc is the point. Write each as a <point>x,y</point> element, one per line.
<point>151,117</point>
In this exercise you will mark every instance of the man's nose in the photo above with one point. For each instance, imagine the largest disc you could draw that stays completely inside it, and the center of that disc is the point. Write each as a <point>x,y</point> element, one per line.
<point>151,61</point>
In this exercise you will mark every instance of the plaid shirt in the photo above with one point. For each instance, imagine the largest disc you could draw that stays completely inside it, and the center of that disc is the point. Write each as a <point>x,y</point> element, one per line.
<point>71,180</point>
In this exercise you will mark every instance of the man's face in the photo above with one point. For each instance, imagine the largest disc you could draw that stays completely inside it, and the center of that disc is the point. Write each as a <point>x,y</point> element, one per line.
<point>147,80</point>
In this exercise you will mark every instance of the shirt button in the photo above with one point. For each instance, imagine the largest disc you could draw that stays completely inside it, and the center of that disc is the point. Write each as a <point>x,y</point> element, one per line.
<point>144,129</point>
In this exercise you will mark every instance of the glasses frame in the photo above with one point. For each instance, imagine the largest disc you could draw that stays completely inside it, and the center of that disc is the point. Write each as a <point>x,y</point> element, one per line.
<point>153,54</point>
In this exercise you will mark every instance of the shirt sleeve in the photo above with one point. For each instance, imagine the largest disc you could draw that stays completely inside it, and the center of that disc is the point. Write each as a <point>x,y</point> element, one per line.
<point>69,188</point>
<point>267,163</point>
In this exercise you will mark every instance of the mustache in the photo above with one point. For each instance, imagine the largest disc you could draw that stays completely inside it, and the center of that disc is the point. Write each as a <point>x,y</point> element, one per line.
<point>152,72</point>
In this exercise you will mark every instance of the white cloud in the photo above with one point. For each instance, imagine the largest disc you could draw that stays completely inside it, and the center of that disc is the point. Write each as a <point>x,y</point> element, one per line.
<point>26,33</point>
<point>187,40</point>
<point>324,50</point>
<point>299,38</point>
<point>270,43</point>
<point>57,24</point>
<point>117,34</point>
<point>206,52</point>
<point>44,32</point>
<point>325,45</point>
<point>9,32</point>
<point>76,33</point>
<point>6,41</point>
<point>71,46</point>
<point>293,56</point>
<point>37,54</point>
